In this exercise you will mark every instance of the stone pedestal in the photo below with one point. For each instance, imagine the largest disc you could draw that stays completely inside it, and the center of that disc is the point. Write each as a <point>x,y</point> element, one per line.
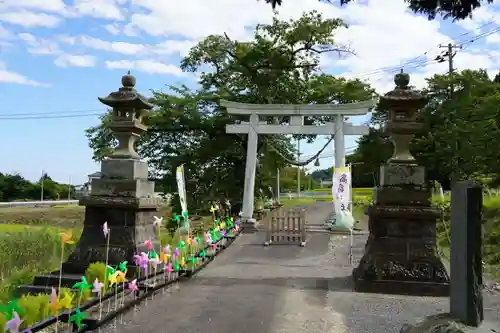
<point>400,254</point>
<point>130,222</point>
<point>124,198</point>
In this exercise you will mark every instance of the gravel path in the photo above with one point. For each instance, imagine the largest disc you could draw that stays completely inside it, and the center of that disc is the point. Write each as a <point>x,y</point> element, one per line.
<point>250,288</point>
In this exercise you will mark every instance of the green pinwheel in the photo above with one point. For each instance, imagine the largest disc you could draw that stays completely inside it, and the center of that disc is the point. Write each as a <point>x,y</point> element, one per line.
<point>182,245</point>
<point>153,254</point>
<point>10,308</point>
<point>123,266</point>
<point>197,239</point>
<point>82,285</point>
<point>109,271</point>
<point>202,254</point>
<point>176,267</point>
<point>185,214</point>
<point>176,218</point>
<point>193,260</point>
<point>214,235</point>
<point>77,318</point>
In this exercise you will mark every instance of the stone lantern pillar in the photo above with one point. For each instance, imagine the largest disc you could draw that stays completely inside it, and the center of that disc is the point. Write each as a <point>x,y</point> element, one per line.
<point>400,254</point>
<point>123,196</point>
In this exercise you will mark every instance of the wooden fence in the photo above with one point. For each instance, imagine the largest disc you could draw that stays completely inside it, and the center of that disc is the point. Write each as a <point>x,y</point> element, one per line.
<point>286,226</point>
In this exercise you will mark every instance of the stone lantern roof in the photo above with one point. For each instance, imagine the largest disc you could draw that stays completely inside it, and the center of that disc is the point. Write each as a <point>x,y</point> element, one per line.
<point>127,96</point>
<point>403,96</point>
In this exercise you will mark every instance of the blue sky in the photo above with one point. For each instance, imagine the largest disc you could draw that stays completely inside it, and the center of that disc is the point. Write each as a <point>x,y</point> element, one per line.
<point>58,56</point>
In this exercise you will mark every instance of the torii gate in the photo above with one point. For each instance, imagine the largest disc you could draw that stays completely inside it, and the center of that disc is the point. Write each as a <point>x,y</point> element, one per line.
<point>339,128</point>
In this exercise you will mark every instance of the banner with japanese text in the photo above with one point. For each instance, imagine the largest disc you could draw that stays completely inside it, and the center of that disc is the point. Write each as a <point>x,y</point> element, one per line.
<point>342,188</point>
<point>181,189</point>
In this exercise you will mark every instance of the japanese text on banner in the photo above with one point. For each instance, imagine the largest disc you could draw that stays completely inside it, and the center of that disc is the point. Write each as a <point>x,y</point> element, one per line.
<point>181,188</point>
<point>341,188</point>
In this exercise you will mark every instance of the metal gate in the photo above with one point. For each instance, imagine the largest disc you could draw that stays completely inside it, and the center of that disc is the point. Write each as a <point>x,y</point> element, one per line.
<point>286,226</point>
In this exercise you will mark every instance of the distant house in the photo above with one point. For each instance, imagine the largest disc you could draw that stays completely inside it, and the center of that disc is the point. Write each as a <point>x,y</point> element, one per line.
<point>325,183</point>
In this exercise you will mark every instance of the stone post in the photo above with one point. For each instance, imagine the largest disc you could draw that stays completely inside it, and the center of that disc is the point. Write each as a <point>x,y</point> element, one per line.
<point>400,254</point>
<point>466,299</point>
<point>123,196</point>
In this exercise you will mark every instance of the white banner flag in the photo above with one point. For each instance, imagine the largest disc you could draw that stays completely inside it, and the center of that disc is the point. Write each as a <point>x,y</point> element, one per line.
<point>181,188</point>
<point>341,189</point>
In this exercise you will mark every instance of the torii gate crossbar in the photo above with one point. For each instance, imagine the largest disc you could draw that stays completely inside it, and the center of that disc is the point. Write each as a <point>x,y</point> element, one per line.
<point>296,112</point>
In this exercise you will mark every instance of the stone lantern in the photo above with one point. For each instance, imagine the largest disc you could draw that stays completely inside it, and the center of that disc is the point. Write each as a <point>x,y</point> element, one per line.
<point>400,254</point>
<point>122,196</point>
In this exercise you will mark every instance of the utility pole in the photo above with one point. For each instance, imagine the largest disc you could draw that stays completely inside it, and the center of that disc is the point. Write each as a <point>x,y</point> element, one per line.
<point>448,55</point>
<point>69,188</point>
<point>278,192</point>
<point>298,168</point>
<point>41,183</point>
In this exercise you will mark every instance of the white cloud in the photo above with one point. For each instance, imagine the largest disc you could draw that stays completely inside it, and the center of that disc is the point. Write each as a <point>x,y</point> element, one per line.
<point>29,19</point>
<point>105,9</point>
<point>57,6</point>
<point>68,60</point>
<point>40,46</point>
<point>196,19</point>
<point>181,47</point>
<point>7,76</point>
<point>112,29</point>
<point>147,66</point>
<point>4,33</point>
<point>98,44</point>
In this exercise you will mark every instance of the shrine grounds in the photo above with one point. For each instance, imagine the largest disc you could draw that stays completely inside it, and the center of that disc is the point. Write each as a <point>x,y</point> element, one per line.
<point>30,241</point>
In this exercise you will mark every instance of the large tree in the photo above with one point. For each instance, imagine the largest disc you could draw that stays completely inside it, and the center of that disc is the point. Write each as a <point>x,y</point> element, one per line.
<point>455,9</point>
<point>279,65</point>
<point>461,120</point>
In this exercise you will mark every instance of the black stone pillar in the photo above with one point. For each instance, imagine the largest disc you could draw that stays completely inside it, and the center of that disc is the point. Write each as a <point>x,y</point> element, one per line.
<point>466,300</point>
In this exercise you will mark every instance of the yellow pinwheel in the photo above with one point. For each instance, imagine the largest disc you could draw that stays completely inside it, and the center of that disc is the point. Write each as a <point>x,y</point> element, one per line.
<point>67,237</point>
<point>66,302</point>
<point>112,279</point>
<point>120,277</point>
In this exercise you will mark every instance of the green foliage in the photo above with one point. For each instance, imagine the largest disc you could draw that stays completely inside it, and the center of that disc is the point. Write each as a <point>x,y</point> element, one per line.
<point>96,270</point>
<point>14,187</point>
<point>459,128</point>
<point>279,65</point>
<point>454,9</point>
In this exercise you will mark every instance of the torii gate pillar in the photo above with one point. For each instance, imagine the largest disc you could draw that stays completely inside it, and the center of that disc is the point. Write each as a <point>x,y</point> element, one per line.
<point>297,113</point>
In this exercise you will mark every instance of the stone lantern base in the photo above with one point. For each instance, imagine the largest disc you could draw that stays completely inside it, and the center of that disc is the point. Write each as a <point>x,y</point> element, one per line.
<point>123,198</point>
<point>401,254</point>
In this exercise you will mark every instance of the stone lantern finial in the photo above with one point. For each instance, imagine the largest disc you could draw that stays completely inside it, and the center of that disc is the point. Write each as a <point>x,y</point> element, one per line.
<point>128,109</point>
<point>403,104</point>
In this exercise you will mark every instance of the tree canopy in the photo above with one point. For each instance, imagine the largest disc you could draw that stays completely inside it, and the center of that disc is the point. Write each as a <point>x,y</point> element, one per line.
<point>14,187</point>
<point>279,65</point>
<point>455,9</point>
<point>462,121</point>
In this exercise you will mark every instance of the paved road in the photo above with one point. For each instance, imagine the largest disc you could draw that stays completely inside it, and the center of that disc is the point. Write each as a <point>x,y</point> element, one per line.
<point>280,289</point>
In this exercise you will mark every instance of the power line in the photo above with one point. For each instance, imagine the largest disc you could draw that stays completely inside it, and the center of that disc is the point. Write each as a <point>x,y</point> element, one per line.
<point>37,117</point>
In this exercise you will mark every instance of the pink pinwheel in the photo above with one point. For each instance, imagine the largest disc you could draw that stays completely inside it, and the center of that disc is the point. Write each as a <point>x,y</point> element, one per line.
<point>167,250</point>
<point>132,285</point>
<point>12,325</point>
<point>105,229</point>
<point>97,286</point>
<point>168,268</point>
<point>141,260</point>
<point>214,246</point>
<point>208,238</point>
<point>148,245</point>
